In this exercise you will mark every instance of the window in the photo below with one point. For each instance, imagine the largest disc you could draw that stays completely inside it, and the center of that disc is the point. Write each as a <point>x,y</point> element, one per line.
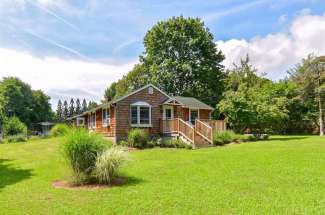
<point>105,117</point>
<point>140,114</point>
<point>144,115</point>
<point>168,112</point>
<point>134,115</point>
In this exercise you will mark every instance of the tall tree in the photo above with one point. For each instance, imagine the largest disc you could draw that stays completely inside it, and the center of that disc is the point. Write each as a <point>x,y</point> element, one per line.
<point>42,110</point>
<point>18,99</point>
<point>71,108</point>
<point>65,110</point>
<point>110,92</point>
<point>92,105</point>
<point>310,77</point>
<point>78,106</point>
<point>84,105</point>
<point>181,58</point>
<point>252,102</point>
<point>59,111</point>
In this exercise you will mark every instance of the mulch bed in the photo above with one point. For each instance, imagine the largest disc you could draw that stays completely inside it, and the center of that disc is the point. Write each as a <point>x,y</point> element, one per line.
<point>70,186</point>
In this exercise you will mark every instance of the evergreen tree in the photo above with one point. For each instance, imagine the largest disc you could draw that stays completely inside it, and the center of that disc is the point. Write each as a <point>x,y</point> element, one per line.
<point>92,105</point>
<point>71,108</point>
<point>59,112</point>
<point>65,110</point>
<point>78,107</point>
<point>84,105</point>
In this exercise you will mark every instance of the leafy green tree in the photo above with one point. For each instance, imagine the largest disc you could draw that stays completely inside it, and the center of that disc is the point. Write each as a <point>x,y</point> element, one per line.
<point>310,78</point>
<point>110,92</point>
<point>71,108</point>
<point>18,99</point>
<point>92,105</point>
<point>181,58</point>
<point>59,112</point>
<point>78,106</point>
<point>41,107</point>
<point>252,102</point>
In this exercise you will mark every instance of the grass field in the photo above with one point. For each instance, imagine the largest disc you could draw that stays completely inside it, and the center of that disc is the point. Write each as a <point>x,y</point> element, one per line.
<point>285,175</point>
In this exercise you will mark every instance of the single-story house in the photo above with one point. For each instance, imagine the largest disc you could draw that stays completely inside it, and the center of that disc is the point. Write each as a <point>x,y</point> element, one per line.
<point>152,109</point>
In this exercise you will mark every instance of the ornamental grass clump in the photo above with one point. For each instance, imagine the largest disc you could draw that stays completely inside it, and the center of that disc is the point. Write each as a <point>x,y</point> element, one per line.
<point>108,163</point>
<point>81,149</point>
<point>59,130</point>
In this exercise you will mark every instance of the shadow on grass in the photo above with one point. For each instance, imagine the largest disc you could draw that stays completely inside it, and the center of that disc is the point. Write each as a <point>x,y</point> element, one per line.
<point>286,138</point>
<point>10,175</point>
<point>131,181</point>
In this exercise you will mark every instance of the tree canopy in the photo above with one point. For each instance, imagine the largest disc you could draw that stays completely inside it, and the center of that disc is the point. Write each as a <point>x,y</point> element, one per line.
<point>180,58</point>
<point>252,102</point>
<point>18,99</point>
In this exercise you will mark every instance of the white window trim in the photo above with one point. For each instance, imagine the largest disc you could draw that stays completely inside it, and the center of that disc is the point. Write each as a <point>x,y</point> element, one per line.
<point>139,105</point>
<point>165,107</point>
<point>106,122</point>
<point>189,113</point>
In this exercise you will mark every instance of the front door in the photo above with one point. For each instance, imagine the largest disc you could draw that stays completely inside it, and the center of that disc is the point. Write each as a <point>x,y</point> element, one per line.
<point>194,114</point>
<point>168,113</point>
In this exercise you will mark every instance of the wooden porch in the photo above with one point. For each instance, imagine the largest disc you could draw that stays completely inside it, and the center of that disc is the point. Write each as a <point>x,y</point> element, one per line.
<point>200,133</point>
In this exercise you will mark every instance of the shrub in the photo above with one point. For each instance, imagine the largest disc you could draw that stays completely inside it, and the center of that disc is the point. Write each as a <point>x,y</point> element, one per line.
<point>59,130</point>
<point>138,138</point>
<point>81,149</point>
<point>123,143</point>
<point>108,163</point>
<point>176,143</point>
<point>13,126</point>
<point>17,138</point>
<point>224,137</point>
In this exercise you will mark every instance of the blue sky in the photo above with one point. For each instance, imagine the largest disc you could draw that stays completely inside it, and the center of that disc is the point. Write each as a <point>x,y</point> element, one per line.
<point>105,37</point>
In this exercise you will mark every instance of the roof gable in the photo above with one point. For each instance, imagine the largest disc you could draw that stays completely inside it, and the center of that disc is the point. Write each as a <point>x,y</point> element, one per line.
<point>138,90</point>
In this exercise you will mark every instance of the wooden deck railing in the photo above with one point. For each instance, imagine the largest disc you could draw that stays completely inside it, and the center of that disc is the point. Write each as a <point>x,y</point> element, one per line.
<point>217,125</point>
<point>187,130</point>
<point>204,130</point>
<point>169,126</point>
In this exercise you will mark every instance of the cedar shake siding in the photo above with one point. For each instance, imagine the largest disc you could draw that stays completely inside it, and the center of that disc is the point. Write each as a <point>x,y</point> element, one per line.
<point>205,114</point>
<point>108,131</point>
<point>123,118</point>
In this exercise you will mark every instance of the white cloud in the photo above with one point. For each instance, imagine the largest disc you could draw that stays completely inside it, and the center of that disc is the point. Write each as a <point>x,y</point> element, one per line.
<point>275,53</point>
<point>61,78</point>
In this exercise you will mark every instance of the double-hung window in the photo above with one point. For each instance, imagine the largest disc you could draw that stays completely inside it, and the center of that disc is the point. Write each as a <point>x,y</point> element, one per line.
<point>141,114</point>
<point>105,117</point>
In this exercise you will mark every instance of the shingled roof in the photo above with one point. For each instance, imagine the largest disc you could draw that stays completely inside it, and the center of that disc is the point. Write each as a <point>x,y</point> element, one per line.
<point>191,102</point>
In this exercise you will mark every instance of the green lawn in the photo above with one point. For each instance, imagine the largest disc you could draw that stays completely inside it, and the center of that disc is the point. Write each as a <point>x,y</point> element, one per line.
<point>285,175</point>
